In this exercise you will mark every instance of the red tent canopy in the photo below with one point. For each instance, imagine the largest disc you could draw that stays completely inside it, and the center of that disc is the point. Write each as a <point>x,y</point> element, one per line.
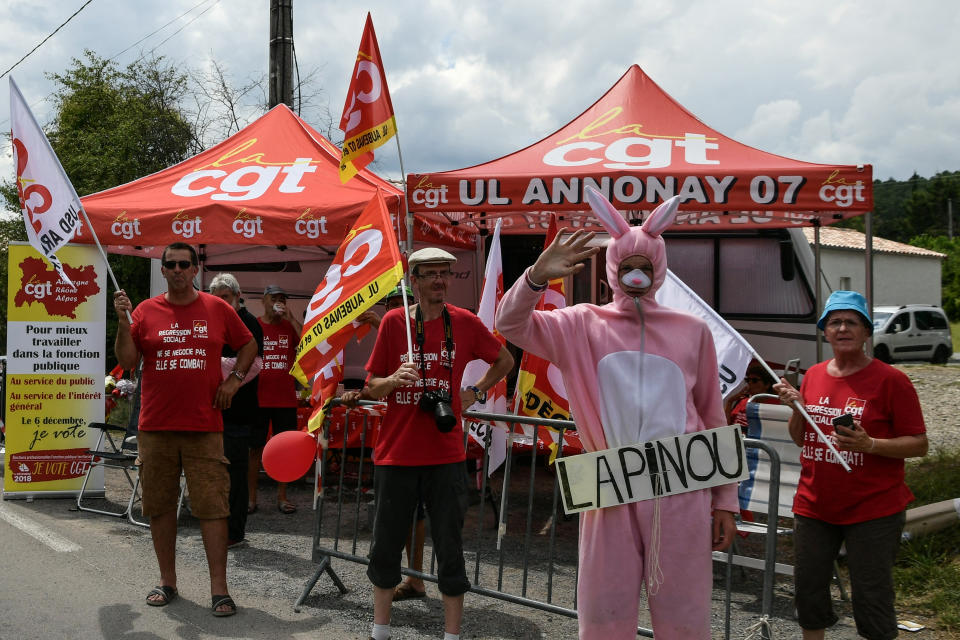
<point>639,147</point>
<point>275,182</point>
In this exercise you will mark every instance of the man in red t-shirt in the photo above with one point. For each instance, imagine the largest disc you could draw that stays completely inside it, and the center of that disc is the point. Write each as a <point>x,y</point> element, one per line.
<point>180,335</point>
<point>277,393</point>
<point>419,451</point>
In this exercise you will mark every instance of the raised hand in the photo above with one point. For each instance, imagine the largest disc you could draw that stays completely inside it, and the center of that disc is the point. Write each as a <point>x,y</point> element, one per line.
<point>563,257</point>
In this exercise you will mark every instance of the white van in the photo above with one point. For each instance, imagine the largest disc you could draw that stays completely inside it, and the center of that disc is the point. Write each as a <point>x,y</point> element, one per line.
<point>911,332</point>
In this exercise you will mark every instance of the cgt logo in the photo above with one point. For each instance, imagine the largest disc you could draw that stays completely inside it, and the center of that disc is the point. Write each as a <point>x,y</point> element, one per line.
<point>246,226</point>
<point>246,182</point>
<point>307,225</point>
<point>199,328</point>
<point>650,151</point>
<point>836,189</point>
<point>425,193</point>
<point>185,226</point>
<point>125,227</point>
<point>38,290</point>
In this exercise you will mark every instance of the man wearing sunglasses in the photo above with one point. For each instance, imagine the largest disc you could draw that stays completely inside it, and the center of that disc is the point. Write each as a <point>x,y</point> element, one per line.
<point>180,334</point>
<point>419,452</point>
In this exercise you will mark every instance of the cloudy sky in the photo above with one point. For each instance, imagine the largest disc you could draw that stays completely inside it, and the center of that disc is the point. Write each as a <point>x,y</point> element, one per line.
<point>832,81</point>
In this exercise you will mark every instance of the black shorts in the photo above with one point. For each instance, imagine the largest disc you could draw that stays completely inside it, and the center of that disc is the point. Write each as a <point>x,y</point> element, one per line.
<point>397,491</point>
<point>282,419</point>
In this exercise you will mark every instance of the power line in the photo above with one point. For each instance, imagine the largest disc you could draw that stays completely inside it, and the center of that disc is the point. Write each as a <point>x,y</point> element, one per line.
<point>45,98</point>
<point>154,32</point>
<point>189,22</point>
<point>84,6</point>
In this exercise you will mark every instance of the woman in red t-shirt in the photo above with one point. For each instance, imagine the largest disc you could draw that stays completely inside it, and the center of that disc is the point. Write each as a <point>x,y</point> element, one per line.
<point>864,508</point>
<point>757,381</point>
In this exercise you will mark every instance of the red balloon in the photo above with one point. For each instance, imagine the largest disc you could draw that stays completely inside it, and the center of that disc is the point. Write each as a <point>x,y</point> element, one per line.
<point>288,455</point>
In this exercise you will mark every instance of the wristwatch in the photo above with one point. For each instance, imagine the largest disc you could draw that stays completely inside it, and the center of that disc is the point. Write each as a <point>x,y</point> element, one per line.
<point>239,376</point>
<point>481,395</point>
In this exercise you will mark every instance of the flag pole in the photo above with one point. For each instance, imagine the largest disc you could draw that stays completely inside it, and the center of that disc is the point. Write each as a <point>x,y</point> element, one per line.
<point>409,221</point>
<point>708,310</point>
<point>406,203</point>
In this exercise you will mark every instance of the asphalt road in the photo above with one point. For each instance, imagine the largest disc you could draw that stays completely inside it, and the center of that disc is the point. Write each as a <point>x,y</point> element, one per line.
<point>70,575</point>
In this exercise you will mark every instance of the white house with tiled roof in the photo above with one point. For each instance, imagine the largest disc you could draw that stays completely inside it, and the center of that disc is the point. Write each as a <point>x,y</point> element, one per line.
<point>902,274</point>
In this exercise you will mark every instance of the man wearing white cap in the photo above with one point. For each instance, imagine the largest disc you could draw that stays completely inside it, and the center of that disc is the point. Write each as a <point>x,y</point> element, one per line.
<point>419,451</point>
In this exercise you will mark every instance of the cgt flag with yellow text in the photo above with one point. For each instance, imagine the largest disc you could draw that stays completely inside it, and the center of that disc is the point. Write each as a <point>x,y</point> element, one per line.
<point>367,121</point>
<point>325,382</point>
<point>367,265</point>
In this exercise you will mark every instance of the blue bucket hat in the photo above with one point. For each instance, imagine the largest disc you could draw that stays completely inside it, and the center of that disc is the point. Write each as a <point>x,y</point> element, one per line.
<point>846,300</point>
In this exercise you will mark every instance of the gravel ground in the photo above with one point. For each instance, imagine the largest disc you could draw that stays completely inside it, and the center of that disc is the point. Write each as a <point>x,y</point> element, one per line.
<point>938,388</point>
<point>277,563</point>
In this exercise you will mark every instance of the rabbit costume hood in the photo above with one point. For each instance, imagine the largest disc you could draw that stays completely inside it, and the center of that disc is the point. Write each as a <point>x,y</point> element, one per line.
<point>626,241</point>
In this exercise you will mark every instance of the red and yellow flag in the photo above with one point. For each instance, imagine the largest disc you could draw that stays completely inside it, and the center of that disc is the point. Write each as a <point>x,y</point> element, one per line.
<point>540,392</point>
<point>367,265</point>
<point>367,121</point>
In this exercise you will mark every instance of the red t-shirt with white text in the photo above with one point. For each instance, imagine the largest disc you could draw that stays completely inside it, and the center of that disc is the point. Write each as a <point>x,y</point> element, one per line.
<point>883,399</point>
<point>277,386</point>
<point>181,347</point>
<point>408,435</point>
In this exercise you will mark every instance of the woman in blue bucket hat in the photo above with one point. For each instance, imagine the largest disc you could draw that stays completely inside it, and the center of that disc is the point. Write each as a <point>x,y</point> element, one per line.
<point>872,413</point>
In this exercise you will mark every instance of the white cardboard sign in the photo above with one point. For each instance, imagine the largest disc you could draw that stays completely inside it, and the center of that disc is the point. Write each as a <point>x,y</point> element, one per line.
<point>664,467</point>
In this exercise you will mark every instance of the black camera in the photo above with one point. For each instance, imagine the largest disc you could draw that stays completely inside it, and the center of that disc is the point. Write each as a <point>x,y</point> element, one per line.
<point>439,403</point>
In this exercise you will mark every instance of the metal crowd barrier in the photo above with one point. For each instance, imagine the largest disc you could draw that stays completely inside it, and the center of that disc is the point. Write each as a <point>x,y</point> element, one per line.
<point>504,562</point>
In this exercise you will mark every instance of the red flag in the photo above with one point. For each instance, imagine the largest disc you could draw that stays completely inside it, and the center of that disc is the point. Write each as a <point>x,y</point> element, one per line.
<point>367,121</point>
<point>540,392</point>
<point>366,266</point>
<point>323,390</point>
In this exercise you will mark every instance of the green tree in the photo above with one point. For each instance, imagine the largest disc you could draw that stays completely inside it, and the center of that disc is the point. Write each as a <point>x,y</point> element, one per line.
<point>950,276</point>
<point>111,126</point>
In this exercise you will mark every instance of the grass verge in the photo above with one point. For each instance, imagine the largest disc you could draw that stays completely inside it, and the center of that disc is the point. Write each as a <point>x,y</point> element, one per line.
<point>927,574</point>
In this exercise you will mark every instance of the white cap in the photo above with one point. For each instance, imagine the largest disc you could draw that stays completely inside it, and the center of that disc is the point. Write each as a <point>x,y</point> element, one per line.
<point>429,255</point>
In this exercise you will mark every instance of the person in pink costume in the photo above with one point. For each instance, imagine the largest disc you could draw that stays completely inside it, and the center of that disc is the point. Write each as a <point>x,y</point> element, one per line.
<point>634,371</point>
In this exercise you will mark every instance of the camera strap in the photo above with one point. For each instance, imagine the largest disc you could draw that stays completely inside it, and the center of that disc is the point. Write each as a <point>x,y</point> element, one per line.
<point>448,341</point>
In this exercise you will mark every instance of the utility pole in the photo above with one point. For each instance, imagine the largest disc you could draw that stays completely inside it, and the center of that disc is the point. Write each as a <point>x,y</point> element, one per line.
<point>281,52</point>
<point>950,218</point>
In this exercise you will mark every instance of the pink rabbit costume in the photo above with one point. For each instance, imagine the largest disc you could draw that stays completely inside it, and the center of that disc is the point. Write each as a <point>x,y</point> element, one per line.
<point>634,371</point>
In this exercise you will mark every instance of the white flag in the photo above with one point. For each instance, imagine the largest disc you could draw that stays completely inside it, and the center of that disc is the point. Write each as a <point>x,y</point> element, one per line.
<point>50,205</point>
<point>733,352</point>
<point>497,395</point>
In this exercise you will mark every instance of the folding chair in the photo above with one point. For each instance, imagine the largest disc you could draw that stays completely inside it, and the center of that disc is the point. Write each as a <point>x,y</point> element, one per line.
<point>110,453</point>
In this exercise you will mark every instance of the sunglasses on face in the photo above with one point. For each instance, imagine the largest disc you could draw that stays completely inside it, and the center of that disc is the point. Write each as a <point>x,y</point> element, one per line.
<point>183,264</point>
<point>752,379</point>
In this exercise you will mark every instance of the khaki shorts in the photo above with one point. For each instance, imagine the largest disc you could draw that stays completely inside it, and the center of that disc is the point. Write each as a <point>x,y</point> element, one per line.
<point>163,454</point>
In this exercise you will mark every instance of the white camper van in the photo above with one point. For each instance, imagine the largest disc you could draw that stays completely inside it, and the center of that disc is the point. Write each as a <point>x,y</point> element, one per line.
<point>760,281</point>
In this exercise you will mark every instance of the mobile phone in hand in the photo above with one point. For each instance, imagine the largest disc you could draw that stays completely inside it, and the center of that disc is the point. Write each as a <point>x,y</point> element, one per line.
<point>845,420</point>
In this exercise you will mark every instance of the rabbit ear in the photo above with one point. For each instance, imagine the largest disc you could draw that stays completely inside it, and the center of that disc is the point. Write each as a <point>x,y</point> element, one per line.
<point>662,217</point>
<point>611,219</point>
